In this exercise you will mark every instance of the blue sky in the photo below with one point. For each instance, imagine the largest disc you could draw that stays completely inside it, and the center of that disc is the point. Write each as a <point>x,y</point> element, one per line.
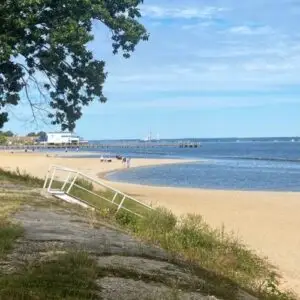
<point>210,69</point>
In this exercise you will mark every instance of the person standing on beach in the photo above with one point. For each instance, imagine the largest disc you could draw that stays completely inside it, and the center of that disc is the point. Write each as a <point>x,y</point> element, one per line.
<point>128,162</point>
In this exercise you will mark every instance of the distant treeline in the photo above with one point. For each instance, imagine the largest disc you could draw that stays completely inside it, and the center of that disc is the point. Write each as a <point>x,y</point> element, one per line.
<point>40,134</point>
<point>6,135</point>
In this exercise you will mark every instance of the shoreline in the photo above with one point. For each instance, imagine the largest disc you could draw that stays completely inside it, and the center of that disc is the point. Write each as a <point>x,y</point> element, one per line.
<point>172,161</point>
<point>103,176</point>
<point>267,222</point>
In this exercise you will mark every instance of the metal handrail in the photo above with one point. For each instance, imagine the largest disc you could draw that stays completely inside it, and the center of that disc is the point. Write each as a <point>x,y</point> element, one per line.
<point>71,179</point>
<point>57,167</point>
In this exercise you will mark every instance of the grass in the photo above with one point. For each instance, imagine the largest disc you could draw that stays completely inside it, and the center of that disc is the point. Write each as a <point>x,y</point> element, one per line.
<point>220,257</point>
<point>70,276</point>
<point>9,232</point>
<point>20,177</point>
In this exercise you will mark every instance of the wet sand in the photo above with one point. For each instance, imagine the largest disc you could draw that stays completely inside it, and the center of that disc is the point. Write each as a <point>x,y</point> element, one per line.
<point>269,222</point>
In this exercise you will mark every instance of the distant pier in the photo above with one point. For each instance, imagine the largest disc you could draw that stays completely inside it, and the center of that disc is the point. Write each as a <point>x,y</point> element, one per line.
<point>103,145</point>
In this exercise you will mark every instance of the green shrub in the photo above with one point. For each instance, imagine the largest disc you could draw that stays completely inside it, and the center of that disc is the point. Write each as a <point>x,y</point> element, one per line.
<point>192,239</point>
<point>194,232</point>
<point>126,218</point>
<point>157,222</point>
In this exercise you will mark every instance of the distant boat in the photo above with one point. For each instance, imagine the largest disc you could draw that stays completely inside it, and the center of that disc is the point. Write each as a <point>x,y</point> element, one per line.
<point>292,140</point>
<point>149,138</point>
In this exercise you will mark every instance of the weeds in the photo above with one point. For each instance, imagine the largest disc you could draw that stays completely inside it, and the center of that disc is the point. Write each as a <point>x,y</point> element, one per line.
<point>20,177</point>
<point>213,250</point>
<point>126,218</point>
<point>70,276</point>
<point>9,233</point>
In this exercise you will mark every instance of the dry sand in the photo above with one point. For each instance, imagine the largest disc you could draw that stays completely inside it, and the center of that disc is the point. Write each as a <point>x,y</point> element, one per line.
<point>269,222</point>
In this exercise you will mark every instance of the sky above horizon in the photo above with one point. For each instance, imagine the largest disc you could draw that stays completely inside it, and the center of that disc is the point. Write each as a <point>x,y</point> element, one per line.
<point>212,68</point>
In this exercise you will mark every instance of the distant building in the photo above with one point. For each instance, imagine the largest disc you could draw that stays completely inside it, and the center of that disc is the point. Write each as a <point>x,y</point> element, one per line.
<point>62,138</point>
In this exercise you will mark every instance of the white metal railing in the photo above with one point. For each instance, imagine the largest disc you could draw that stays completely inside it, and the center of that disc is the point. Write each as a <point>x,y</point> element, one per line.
<point>69,178</point>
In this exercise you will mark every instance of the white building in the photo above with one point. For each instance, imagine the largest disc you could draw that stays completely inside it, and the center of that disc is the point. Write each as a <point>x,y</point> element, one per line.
<point>59,138</point>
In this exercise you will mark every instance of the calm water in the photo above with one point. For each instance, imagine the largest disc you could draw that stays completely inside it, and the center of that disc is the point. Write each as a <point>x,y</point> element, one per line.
<point>227,165</point>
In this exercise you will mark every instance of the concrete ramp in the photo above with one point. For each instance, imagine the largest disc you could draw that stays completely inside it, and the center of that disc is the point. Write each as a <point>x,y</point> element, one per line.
<point>62,196</point>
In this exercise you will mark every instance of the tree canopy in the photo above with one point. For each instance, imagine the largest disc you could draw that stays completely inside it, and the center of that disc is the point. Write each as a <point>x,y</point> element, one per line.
<point>3,139</point>
<point>7,133</point>
<point>32,134</point>
<point>44,43</point>
<point>42,135</point>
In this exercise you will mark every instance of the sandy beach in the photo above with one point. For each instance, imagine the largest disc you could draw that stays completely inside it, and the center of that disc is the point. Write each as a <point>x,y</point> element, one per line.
<point>268,222</point>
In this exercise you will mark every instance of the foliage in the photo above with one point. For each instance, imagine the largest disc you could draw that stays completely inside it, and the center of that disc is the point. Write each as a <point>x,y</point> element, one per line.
<point>42,136</point>
<point>31,134</point>
<point>7,133</point>
<point>3,139</point>
<point>126,218</point>
<point>220,256</point>
<point>44,43</point>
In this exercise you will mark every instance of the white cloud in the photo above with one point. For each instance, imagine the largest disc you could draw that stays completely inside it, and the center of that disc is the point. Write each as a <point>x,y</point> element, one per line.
<point>269,67</point>
<point>218,68</point>
<point>242,58</point>
<point>210,75</point>
<point>161,12</point>
<point>248,30</point>
<point>197,25</point>
<point>194,102</point>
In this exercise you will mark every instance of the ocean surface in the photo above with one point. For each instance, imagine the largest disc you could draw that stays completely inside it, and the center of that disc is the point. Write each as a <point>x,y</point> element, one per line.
<point>264,164</point>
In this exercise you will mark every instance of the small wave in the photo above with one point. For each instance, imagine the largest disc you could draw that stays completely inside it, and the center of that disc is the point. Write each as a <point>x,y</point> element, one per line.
<point>279,159</point>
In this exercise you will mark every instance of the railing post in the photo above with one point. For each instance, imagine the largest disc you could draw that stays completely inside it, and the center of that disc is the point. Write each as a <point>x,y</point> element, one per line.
<point>47,177</point>
<point>114,198</point>
<point>73,181</point>
<point>66,181</point>
<point>121,203</point>
<point>51,181</point>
